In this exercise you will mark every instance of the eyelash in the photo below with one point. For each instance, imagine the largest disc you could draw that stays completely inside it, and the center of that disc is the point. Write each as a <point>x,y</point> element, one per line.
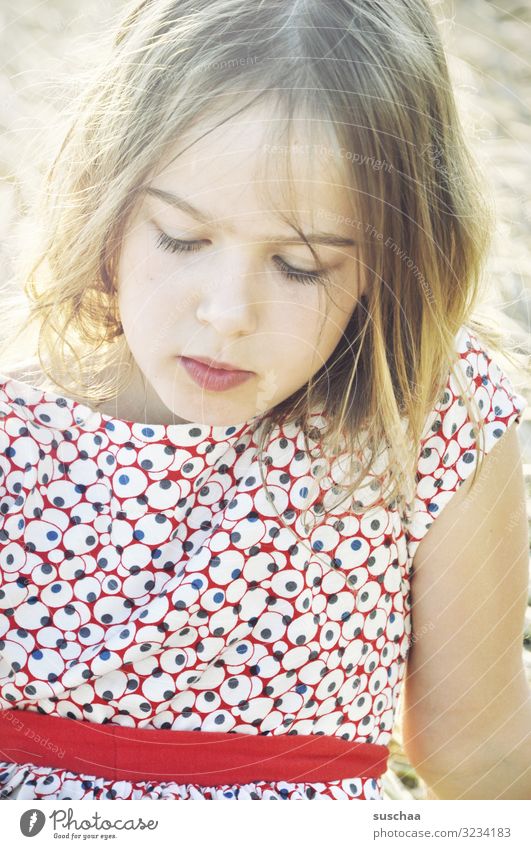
<point>179,246</point>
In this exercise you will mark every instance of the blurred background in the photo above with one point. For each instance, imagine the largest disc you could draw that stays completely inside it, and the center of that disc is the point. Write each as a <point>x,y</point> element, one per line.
<point>45,47</point>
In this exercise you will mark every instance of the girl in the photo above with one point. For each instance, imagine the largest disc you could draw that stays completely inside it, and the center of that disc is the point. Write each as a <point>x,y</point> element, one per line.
<point>259,384</point>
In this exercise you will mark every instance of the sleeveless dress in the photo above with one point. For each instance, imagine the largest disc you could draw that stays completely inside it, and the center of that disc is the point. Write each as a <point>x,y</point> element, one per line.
<point>146,581</point>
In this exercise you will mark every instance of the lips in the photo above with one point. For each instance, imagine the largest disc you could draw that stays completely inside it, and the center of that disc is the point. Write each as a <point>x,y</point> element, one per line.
<point>215,364</point>
<point>211,378</point>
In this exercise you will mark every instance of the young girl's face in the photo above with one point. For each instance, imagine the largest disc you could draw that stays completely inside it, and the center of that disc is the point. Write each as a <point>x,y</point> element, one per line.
<point>208,269</point>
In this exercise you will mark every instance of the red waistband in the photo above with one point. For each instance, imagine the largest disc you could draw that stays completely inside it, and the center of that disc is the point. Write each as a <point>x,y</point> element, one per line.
<point>185,757</point>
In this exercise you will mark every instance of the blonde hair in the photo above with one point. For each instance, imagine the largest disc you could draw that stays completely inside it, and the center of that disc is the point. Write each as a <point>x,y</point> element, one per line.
<point>376,75</point>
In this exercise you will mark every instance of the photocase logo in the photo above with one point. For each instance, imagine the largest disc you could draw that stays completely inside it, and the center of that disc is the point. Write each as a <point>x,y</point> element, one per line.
<point>32,822</point>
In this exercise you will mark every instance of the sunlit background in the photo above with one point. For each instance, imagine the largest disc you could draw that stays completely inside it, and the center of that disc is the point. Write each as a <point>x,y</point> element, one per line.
<point>487,45</point>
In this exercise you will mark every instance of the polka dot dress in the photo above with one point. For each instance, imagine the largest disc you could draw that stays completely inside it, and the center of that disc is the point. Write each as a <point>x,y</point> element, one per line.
<point>146,580</point>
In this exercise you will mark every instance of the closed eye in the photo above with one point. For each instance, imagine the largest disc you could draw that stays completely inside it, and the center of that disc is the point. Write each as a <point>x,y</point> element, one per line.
<point>179,245</point>
<point>299,274</point>
<point>168,243</point>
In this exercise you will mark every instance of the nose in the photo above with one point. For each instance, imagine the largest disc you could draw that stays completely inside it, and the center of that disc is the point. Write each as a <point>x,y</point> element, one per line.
<point>228,300</point>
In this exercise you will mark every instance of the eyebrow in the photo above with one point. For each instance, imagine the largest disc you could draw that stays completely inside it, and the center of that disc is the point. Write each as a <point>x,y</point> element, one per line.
<point>177,202</point>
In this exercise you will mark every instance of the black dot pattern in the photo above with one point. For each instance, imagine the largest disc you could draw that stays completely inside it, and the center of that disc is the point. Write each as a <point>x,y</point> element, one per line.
<point>450,449</point>
<point>147,581</point>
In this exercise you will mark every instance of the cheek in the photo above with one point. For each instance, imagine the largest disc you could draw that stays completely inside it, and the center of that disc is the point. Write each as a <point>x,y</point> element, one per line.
<point>143,293</point>
<point>339,313</point>
<point>142,264</point>
<point>293,328</point>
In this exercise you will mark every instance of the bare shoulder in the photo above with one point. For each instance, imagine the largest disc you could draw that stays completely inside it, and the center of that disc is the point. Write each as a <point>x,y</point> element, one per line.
<point>496,495</point>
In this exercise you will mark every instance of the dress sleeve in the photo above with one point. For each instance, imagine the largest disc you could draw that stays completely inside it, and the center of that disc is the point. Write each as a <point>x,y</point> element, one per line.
<point>449,451</point>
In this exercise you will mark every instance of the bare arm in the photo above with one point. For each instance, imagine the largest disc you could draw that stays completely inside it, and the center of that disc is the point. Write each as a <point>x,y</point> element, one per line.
<point>467,704</point>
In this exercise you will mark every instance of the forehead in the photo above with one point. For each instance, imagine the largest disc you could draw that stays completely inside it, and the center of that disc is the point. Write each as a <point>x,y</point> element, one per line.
<point>263,164</point>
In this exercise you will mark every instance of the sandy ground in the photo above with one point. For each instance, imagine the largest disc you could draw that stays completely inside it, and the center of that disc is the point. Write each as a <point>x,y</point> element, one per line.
<point>488,49</point>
